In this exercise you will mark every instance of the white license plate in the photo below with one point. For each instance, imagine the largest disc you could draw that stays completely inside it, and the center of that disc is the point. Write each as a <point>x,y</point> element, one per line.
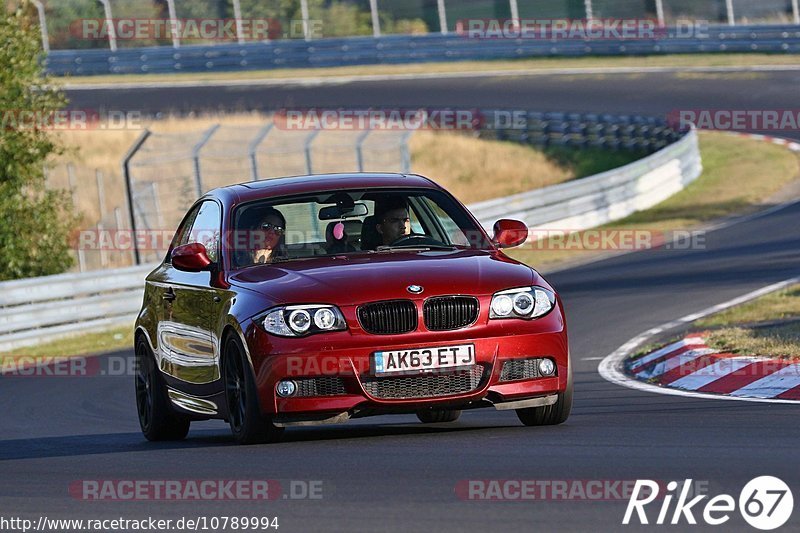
<point>417,359</point>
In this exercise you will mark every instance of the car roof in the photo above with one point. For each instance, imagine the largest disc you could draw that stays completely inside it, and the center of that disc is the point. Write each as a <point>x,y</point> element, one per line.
<point>293,185</point>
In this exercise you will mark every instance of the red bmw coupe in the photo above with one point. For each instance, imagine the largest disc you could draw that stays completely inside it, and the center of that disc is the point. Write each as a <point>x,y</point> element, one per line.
<point>315,299</point>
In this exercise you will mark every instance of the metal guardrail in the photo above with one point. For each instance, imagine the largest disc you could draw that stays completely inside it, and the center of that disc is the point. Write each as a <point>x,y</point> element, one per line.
<point>603,198</point>
<point>400,49</point>
<point>40,309</point>
<point>37,310</point>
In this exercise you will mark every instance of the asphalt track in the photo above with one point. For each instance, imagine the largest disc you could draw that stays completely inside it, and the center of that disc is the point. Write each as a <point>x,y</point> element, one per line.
<point>393,474</point>
<point>653,94</point>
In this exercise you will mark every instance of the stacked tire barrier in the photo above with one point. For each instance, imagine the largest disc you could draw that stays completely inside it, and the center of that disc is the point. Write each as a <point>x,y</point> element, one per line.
<point>400,49</point>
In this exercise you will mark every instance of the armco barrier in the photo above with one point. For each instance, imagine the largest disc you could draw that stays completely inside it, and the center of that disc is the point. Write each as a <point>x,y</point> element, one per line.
<point>41,309</point>
<point>36,310</point>
<point>398,49</point>
<point>602,198</point>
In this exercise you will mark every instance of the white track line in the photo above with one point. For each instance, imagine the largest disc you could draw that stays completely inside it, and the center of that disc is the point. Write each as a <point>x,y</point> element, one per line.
<point>341,80</point>
<point>612,367</point>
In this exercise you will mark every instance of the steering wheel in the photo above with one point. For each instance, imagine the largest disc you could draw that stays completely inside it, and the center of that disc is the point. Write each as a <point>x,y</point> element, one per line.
<point>417,240</point>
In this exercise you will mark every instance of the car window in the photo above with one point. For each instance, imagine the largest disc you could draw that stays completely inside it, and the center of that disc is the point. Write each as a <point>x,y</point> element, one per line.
<point>204,229</point>
<point>308,229</point>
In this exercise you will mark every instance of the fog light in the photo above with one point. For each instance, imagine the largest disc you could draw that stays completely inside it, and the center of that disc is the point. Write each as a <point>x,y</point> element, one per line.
<point>547,367</point>
<point>286,388</point>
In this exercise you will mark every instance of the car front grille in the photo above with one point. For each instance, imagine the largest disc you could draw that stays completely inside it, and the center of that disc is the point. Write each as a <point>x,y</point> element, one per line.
<point>425,385</point>
<point>444,313</point>
<point>389,317</point>
<point>519,369</point>
<point>324,386</point>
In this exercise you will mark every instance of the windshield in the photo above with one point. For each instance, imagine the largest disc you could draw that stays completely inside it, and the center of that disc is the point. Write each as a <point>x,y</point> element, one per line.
<point>351,222</point>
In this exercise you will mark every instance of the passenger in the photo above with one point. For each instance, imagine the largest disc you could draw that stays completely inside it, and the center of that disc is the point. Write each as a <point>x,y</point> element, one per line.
<point>269,237</point>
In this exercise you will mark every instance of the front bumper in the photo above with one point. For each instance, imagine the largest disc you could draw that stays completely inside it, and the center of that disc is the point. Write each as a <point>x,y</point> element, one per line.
<point>337,372</point>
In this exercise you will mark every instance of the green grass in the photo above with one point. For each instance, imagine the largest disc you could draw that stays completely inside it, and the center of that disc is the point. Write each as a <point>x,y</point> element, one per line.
<point>677,60</point>
<point>78,345</point>
<point>739,176</point>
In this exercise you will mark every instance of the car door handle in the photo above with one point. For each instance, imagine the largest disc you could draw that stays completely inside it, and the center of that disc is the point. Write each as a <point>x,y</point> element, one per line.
<point>169,295</point>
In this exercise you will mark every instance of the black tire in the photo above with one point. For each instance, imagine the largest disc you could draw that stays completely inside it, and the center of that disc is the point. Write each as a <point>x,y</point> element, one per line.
<point>156,417</point>
<point>248,424</point>
<point>436,416</point>
<point>550,415</point>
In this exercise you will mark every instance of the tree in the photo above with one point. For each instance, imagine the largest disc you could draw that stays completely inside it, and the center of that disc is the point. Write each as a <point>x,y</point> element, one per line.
<point>36,222</point>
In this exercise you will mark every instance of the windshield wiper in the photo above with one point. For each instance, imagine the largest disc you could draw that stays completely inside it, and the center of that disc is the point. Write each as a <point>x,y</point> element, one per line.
<point>417,247</point>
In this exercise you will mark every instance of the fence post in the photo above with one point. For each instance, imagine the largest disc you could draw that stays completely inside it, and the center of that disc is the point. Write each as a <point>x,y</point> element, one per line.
<point>112,29</point>
<point>252,149</point>
<point>662,20</point>
<point>157,205</point>
<point>442,16</point>
<point>126,173</point>
<point>796,11</point>
<point>71,181</point>
<point>173,23</point>
<point>237,15</point>
<point>198,178</point>
<point>43,26</point>
<point>514,12</point>
<point>589,9</point>
<point>376,20</point>
<point>304,14</point>
<point>307,148</point>
<point>731,15</point>
<point>360,149</point>
<point>405,154</point>
<point>101,194</point>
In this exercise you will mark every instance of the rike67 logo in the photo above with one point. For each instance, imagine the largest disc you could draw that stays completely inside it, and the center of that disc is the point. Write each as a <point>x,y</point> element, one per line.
<point>765,503</point>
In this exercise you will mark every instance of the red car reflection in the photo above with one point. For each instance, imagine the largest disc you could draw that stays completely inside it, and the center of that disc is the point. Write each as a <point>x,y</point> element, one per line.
<point>312,300</point>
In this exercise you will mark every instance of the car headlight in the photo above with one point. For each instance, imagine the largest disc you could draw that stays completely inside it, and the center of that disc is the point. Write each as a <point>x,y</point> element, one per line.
<point>302,320</point>
<point>524,302</point>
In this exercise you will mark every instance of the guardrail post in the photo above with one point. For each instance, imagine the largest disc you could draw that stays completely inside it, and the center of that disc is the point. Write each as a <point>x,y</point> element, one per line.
<point>111,29</point>
<point>237,15</point>
<point>173,23</point>
<point>126,173</point>
<point>662,21</point>
<point>376,20</point>
<point>43,26</point>
<point>252,149</point>
<point>304,14</point>
<point>307,149</point>
<point>796,11</point>
<point>442,16</point>
<point>198,177</point>
<point>729,10</point>
<point>405,153</point>
<point>360,149</point>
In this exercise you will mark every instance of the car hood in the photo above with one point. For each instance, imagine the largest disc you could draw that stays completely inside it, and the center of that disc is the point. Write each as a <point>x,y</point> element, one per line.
<point>353,279</point>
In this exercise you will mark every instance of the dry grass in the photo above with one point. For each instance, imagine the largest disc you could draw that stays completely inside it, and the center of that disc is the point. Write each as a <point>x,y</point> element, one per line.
<point>74,346</point>
<point>739,176</point>
<point>777,341</point>
<point>679,60</point>
<point>473,169</point>
<point>780,305</point>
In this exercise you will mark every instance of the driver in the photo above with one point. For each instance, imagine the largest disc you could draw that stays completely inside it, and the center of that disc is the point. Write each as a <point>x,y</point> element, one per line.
<point>392,219</point>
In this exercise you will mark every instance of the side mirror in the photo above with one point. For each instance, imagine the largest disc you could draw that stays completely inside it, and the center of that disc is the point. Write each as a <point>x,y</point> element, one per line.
<point>191,257</point>
<point>509,233</point>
